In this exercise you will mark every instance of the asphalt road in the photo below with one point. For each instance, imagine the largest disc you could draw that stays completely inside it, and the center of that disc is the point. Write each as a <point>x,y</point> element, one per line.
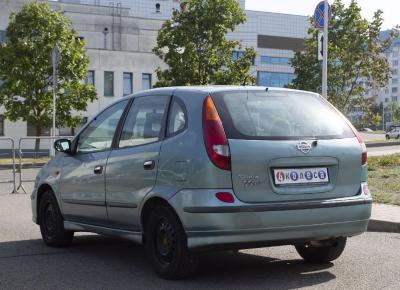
<point>384,150</point>
<point>372,137</point>
<point>370,261</point>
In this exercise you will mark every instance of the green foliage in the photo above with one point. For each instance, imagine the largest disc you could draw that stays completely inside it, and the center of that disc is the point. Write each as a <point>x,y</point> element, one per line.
<point>26,68</point>
<point>356,64</point>
<point>194,46</point>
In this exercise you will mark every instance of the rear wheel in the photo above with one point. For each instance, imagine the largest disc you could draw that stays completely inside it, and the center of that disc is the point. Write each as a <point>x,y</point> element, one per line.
<point>387,137</point>
<point>166,245</point>
<point>52,223</point>
<point>322,251</point>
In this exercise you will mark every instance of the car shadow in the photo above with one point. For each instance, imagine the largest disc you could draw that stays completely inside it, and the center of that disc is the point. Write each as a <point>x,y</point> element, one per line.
<point>94,262</point>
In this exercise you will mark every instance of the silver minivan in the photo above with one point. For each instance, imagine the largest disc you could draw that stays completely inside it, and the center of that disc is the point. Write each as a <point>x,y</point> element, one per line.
<point>189,169</point>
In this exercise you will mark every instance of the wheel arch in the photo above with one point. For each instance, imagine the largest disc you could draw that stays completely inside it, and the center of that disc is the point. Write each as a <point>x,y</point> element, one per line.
<point>41,189</point>
<point>150,205</point>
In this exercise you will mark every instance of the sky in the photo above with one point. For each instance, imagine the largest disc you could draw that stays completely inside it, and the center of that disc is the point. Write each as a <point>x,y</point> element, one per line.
<point>390,8</point>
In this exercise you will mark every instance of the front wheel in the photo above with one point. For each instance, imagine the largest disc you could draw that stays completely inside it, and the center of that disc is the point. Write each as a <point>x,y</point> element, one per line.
<point>52,223</point>
<point>166,245</point>
<point>322,251</point>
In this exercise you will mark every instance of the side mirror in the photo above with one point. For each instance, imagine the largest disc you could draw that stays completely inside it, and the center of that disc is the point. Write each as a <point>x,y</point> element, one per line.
<point>63,145</point>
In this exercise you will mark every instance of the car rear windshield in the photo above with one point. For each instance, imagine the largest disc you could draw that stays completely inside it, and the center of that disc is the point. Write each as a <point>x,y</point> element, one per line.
<point>279,115</point>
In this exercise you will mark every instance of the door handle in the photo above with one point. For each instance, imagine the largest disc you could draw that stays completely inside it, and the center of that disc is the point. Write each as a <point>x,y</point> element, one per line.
<point>98,169</point>
<point>149,164</point>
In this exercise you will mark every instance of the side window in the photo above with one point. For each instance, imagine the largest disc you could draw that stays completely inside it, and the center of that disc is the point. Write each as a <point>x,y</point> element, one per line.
<point>98,135</point>
<point>177,117</point>
<point>144,121</point>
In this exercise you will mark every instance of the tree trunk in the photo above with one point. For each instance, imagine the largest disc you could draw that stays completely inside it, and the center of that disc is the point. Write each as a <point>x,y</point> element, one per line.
<point>37,141</point>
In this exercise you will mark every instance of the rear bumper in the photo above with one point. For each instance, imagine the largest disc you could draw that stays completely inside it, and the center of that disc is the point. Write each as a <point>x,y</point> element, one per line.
<point>210,223</point>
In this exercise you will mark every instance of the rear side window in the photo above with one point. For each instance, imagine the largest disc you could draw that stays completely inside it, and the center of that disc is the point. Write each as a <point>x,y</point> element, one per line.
<point>177,117</point>
<point>279,115</point>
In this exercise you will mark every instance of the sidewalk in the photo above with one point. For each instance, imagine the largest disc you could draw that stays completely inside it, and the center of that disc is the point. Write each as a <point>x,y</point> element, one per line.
<point>384,218</point>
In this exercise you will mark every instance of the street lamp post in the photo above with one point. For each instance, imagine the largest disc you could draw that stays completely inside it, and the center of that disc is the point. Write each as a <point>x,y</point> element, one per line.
<point>55,61</point>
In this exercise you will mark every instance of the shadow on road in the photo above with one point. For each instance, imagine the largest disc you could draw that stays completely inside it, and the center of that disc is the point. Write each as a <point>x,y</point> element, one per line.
<point>101,262</point>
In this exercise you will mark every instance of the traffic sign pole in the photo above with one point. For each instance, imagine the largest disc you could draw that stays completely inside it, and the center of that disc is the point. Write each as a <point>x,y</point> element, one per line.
<point>325,52</point>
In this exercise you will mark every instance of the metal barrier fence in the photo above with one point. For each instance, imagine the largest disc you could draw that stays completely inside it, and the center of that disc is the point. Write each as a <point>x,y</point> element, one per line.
<point>35,154</point>
<point>12,142</point>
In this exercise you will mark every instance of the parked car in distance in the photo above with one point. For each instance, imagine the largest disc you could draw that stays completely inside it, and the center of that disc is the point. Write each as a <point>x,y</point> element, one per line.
<point>394,133</point>
<point>368,130</point>
<point>189,169</point>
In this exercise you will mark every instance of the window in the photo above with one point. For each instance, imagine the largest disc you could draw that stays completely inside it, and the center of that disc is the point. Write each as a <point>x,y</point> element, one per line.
<point>146,81</point>
<point>274,60</point>
<point>395,63</point>
<point>32,130</point>
<point>90,78</point>
<point>108,83</point>
<point>1,125</point>
<point>177,118</point>
<point>239,54</point>
<point>128,83</point>
<point>394,99</point>
<point>395,81</point>
<point>98,135</point>
<point>144,121</point>
<point>279,115</point>
<point>394,72</point>
<point>386,100</point>
<point>394,90</point>
<point>274,79</point>
<point>3,36</point>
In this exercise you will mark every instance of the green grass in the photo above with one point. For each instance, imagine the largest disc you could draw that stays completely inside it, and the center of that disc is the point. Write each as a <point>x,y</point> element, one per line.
<point>382,141</point>
<point>384,178</point>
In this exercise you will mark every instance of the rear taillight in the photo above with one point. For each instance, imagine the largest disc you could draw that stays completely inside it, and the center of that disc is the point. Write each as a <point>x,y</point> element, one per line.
<point>364,154</point>
<point>214,136</point>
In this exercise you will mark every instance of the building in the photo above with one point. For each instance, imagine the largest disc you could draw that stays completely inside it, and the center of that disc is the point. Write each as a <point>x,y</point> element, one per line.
<point>120,36</point>
<point>391,92</point>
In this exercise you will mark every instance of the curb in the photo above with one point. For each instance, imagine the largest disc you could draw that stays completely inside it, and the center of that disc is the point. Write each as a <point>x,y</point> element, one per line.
<point>382,144</point>
<point>24,166</point>
<point>383,226</point>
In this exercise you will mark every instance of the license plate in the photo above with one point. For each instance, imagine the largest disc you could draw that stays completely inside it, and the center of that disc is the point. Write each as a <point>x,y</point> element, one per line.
<point>294,176</point>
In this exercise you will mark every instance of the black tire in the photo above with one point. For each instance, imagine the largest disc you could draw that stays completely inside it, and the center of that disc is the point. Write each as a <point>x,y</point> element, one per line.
<point>387,137</point>
<point>398,136</point>
<point>326,252</point>
<point>166,245</point>
<point>51,222</point>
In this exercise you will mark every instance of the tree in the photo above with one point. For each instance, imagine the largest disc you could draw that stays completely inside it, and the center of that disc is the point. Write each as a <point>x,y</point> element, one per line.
<point>26,69</point>
<point>194,45</point>
<point>356,63</point>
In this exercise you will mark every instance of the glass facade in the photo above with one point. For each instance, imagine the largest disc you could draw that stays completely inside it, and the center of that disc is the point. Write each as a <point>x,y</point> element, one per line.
<point>128,88</point>
<point>108,83</point>
<point>146,81</point>
<point>274,60</point>
<point>274,79</point>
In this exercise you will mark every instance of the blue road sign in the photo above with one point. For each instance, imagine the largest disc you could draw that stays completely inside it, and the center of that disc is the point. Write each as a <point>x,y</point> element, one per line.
<point>319,14</point>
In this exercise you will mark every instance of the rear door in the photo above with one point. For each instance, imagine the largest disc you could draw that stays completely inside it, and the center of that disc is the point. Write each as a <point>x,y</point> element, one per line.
<point>132,165</point>
<point>287,145</point>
